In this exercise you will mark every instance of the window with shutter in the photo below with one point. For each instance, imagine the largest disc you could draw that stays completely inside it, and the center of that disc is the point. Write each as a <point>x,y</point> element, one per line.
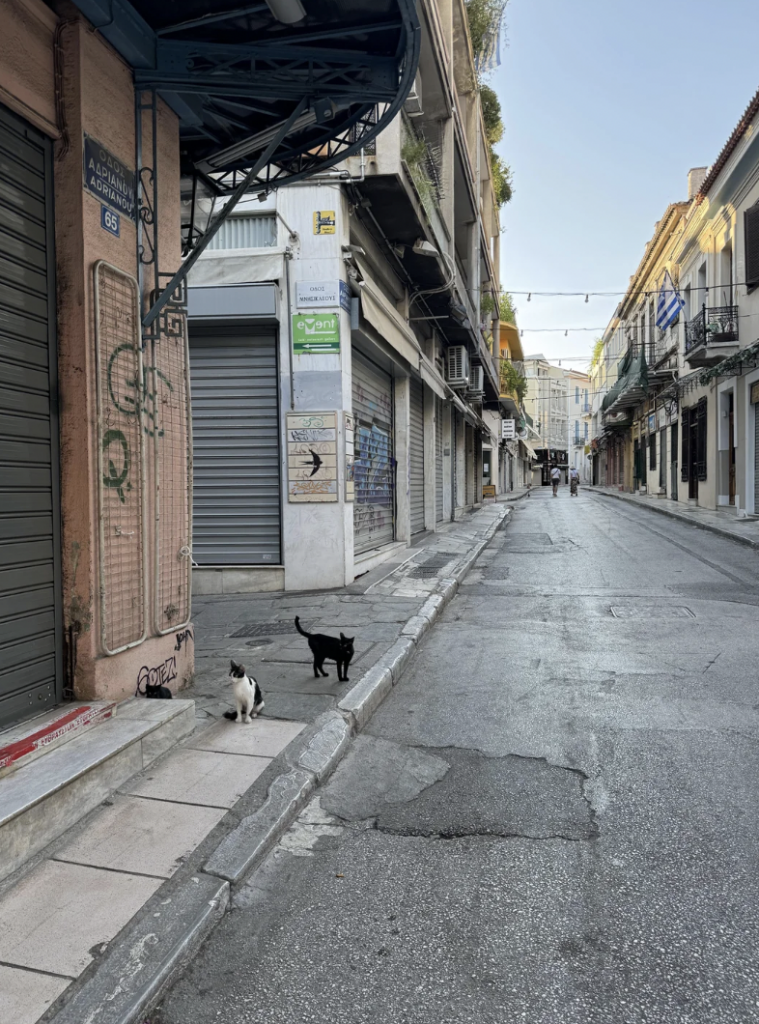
<point>685,462</point>
<point>751,230</point>
<point>701,439</point>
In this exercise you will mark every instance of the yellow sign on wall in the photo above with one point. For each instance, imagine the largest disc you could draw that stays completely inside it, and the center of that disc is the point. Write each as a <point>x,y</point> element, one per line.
<point>324,222</point>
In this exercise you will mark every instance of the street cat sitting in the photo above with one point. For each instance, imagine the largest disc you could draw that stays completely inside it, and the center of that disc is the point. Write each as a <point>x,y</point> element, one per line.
<point>329,648</point>
<point>247,695</point>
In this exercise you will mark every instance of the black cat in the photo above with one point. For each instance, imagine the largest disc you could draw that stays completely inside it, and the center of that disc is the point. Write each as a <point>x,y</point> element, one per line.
<point>325,648</point>
<point>157,692</point>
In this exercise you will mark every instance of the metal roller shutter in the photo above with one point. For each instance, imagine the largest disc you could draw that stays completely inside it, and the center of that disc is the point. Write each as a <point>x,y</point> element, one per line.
<point>416,456</point>
<point>438,460</point>
<point>756,460</point>
<point>30,620</point>
<point>236,461</point>
<point>469,468</point>
<point>373,508</point>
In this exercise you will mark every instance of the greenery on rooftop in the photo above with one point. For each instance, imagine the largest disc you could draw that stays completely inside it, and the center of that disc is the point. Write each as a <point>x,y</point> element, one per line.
<point>598,349</point>
<point>507,310</point>
<point>484,17</point>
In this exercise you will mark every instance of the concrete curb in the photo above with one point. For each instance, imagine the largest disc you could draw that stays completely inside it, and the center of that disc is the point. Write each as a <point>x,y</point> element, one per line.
<point>672,514</point>
<point>142,962</point>
<point>138,968</point>
<point>244,848</point>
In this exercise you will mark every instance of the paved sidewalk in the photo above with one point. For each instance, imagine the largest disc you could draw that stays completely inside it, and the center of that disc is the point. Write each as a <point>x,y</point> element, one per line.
<point>258,630</point>
<point>96,926</point>
<point>724,523</point>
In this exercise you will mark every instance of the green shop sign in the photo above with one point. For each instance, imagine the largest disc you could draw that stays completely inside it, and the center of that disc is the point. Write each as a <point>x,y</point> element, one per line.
<point>317,334</point>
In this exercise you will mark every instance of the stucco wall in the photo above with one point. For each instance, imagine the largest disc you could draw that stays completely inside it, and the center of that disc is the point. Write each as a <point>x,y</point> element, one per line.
<point>96,96</point>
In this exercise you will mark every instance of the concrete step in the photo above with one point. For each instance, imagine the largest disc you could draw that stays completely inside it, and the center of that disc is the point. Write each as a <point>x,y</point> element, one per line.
<point>29,740</point>
<point>43,798</point>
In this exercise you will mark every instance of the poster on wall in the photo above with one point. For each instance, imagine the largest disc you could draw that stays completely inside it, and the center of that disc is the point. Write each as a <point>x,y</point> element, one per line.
<point>316,335</point>
<point>311,456</point>
<point>348,422</point>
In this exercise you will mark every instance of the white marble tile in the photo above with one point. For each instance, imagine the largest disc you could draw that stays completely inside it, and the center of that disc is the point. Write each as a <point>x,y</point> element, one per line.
<point>148,836</point>
<point>200,777</point>
<point>263,737</point>
<point>53,917</point>
<point>24,996</point>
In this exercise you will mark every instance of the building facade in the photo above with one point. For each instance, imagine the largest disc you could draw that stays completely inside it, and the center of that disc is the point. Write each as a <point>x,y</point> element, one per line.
<point>674,413</point>
<point>341,365</point>
<point>116,134</point>
<point>546,404</point>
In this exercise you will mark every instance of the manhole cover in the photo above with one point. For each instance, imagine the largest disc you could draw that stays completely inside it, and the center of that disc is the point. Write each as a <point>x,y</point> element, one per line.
<point>495,572</point>
<point>258,643</point>
<point>423,572</point>
<point>429,569</point>
<point>649,611</point>
<point>267,629</point>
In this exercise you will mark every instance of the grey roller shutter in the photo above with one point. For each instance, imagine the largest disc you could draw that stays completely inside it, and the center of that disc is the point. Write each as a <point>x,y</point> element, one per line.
<point>236,461</point>
<point>374,472</point>
<point>30,621</point>
<point>469,468</point>
<point>416,456</point>
<point>756,460</point>
<point>438,460</point>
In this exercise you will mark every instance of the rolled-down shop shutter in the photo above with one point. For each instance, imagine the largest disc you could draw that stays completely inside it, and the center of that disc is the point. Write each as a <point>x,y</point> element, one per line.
<point>470,464</point>
<point>30,621</point>
<point>438,460</point>
<point>756,459</point>
<point>236,462</point>
<point>374,467</point>
<point>416,456</point>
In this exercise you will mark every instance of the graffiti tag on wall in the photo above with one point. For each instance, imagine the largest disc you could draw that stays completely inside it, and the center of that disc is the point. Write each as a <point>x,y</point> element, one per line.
<point>159,675</point>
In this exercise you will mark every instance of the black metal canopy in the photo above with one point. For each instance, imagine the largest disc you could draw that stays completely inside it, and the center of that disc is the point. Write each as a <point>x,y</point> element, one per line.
<point>237,76</point>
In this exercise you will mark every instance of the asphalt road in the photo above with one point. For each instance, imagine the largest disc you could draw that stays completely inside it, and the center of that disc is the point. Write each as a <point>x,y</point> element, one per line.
<point>553,819</point>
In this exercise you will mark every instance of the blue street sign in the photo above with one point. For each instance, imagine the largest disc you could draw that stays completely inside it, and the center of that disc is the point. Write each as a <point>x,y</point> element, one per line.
<point>110,221</point>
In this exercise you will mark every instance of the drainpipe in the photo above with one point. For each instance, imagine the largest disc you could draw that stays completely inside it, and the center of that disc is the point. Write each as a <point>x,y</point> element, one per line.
<point>288,257</point>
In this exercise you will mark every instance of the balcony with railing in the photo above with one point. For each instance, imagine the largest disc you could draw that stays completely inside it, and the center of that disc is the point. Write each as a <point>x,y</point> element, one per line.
<point>711,336</point>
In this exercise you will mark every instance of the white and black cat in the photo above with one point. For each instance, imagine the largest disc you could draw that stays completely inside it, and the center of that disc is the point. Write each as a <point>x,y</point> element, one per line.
<point>247,694</point>
<point>330,648</point>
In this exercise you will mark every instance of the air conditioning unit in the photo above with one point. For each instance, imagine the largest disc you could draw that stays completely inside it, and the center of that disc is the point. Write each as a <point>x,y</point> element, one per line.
<point>458,366</point>
<point>476,380</point>
<point>413,104</point>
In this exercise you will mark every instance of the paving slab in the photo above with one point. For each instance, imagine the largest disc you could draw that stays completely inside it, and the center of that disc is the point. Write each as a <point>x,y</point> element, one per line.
<point>41,921</point>
<point>24,996</point>
<point>200,777</point>
<point>266,738</point>
<point>148,837</point>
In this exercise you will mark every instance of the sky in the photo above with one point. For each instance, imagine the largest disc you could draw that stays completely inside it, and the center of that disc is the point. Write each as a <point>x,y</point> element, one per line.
<point>607,104</point>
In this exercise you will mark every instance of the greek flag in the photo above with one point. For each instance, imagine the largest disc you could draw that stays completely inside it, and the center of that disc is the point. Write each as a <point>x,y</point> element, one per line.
<point>669,305</point>
<point>490,57</point>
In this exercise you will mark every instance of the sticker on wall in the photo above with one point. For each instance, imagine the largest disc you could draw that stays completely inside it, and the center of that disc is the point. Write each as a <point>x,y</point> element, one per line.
<point>311,456</point>
<point>349,456</point>
<point>324,222</point>
<point>316,335</point>
<point>108,179</point>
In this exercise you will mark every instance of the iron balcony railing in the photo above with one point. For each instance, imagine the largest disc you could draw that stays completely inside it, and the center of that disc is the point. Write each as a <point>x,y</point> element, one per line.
<point>712,325</point>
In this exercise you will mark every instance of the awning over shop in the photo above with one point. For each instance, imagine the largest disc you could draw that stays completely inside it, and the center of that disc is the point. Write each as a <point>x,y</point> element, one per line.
<point>389,324</point>
<point>529,450</point>
<point>631,386</point>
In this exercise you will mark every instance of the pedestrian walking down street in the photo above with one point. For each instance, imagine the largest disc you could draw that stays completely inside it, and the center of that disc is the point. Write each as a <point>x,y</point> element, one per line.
<point>574,480</point>
<point>555,480</point>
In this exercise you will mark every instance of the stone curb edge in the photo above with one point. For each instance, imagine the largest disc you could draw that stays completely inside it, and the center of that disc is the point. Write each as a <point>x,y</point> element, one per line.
<point>671,514</point>
<point>146,958</point>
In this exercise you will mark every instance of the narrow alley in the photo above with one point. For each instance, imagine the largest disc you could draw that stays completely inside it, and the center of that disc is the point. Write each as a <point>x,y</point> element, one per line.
<point>553,817</point>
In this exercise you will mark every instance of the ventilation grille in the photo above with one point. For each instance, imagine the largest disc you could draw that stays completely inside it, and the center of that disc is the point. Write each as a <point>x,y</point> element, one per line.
<point>254,231</point>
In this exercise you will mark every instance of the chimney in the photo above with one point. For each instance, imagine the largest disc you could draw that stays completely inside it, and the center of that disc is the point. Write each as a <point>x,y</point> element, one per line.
<point>696,178</point>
